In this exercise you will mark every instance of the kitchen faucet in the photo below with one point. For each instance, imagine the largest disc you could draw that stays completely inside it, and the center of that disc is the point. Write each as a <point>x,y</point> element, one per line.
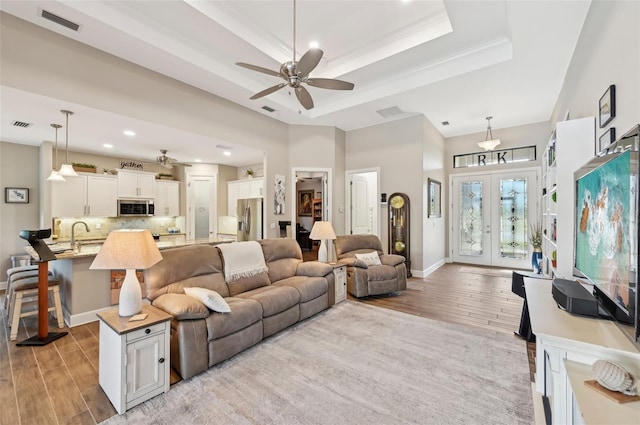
<point>73,237</point>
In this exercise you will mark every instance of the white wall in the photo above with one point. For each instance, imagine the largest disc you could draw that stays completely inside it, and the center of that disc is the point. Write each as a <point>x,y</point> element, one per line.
<point>18,168</point>
<point>608,52</point>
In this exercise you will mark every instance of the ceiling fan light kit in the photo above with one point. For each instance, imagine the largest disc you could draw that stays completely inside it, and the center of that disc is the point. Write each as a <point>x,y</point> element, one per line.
<point>489,143</point>
<point>296,73</point>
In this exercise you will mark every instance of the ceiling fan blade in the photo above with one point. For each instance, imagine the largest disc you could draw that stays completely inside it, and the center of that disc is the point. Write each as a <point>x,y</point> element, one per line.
<point>268,91</point>
<point>309,61</point>
<point>259,69</point>
<point>304,97</point>
<point>329,83</point>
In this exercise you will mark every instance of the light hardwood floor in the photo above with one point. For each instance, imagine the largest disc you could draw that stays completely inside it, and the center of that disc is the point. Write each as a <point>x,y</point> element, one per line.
<point>58,383</point>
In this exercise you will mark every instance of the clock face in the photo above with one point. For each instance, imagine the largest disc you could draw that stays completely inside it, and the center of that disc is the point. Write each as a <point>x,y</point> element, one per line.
<point>397,202</point>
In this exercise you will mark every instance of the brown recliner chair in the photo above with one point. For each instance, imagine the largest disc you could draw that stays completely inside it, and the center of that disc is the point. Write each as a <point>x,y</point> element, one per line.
<point>364,280</point>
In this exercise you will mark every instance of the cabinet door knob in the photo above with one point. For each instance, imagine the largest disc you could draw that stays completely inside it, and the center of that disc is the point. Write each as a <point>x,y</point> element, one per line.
<point>147,331</point>
<point>161,360</point>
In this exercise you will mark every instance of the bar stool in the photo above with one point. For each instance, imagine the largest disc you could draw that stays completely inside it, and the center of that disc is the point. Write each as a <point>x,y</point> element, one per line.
<point>26,288</point>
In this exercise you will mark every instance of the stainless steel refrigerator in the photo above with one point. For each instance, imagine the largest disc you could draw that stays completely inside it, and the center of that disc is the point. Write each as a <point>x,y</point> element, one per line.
<point>249,219</point>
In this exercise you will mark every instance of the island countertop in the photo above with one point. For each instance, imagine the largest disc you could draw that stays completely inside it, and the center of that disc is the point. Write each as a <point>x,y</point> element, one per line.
<point>91,249</point>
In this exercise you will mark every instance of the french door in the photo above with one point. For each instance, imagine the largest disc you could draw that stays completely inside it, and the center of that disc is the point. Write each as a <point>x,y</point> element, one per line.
<point>490,217</point>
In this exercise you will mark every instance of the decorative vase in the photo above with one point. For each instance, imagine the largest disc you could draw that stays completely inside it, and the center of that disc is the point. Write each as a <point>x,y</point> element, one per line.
<point>536,259</point>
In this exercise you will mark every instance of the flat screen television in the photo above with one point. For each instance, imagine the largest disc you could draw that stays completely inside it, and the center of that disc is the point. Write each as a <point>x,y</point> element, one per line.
<point>606,228</point>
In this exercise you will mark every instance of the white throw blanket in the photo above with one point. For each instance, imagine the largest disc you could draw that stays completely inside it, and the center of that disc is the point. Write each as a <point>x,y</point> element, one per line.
<point>242,259</point>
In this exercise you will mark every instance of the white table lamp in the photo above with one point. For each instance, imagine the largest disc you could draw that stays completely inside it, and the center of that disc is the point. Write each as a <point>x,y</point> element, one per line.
<point>322,231</point>
<point>129,250</point>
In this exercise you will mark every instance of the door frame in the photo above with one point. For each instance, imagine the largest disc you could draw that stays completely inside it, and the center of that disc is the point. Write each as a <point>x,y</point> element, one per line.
<point>190,220</point>
<point>347,198</point>
<point>293,194</point>
<point>537,190</point>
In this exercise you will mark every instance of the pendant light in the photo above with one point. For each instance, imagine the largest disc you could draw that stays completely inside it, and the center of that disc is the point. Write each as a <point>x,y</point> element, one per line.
<point>489,143</point>
<point>55,176</point>
<point>67,169</point>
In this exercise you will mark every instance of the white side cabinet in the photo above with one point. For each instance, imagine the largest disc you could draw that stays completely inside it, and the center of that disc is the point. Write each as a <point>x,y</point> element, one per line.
<point>167,198</point>
<point>340,278</point>
<point>136,184</point>
<point>85,196</point>
<point>134,357</point>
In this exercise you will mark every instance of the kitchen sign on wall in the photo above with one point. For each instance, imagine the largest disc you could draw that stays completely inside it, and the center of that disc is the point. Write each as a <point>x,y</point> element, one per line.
<point>499,156</point>
<point>128,164</point>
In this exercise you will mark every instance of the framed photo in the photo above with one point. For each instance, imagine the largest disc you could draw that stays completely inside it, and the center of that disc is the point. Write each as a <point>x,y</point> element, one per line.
<point>305,200</point>
<point>434,198</point>
<point>16,195</point>
<point>607,106</point>
<point>279,194</point>
<point>605,140</point>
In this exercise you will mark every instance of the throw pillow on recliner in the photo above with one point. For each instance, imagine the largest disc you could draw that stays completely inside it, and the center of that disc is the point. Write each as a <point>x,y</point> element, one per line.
<point>210,298</point>
<point>370,258</point>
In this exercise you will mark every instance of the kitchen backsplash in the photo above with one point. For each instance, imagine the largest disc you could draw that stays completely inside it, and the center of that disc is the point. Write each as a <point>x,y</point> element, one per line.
<point>100,227</point>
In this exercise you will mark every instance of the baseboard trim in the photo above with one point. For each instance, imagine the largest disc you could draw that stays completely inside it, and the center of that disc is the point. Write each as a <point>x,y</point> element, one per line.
<point>88,316</point>
<point>426,272</point>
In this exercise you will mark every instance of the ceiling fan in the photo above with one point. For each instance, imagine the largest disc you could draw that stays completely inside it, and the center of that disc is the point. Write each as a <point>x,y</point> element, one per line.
<point>295,73</point>
<point>167,161</point>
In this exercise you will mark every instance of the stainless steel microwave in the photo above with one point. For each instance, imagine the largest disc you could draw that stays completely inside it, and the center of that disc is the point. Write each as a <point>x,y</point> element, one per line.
<point>135,208</point>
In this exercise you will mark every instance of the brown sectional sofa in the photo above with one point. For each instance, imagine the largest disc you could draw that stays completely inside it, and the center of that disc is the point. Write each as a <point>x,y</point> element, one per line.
<point>261,305</point>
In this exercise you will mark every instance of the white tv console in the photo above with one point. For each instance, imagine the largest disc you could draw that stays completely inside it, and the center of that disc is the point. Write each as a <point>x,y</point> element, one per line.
<point>566,347</point>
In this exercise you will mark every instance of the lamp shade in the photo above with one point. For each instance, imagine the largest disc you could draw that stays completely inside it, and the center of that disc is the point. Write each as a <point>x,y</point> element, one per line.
<point>489,145</point>
<point>322,230</point>
<point>127,249</point>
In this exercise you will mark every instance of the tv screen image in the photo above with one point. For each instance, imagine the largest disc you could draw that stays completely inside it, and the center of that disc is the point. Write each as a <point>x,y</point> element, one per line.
<point>605,226</point>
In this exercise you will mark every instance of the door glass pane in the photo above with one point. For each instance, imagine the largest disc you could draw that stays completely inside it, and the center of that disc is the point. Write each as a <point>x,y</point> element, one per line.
<point>202,200</point>
<point>513,222</point>
<point>471,224</point>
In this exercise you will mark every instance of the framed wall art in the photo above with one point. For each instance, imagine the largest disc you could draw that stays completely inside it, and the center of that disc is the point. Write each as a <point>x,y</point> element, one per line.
<point>605,140</point>
<point>607,106</point>
<point>434,198</point>
<point>16,195</point>
<point>305,200</point>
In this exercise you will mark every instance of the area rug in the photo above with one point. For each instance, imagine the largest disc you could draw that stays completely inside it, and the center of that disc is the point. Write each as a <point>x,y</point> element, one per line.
<point>357,364</point>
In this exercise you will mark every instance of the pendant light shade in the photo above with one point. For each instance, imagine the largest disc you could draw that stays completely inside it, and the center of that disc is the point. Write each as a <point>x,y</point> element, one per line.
<point>67,169</point>
<point>489,143</point>
<point>55,176</point>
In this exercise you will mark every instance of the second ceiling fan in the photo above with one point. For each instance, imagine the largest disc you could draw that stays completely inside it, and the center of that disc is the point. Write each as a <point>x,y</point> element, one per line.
<point>296,73</point>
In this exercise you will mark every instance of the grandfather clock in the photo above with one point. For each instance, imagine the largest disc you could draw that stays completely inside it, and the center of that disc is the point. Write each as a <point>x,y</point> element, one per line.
<point>399,227</point>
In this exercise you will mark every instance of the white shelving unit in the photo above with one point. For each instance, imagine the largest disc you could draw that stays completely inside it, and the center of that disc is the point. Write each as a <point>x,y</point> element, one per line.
<point>571,145</point>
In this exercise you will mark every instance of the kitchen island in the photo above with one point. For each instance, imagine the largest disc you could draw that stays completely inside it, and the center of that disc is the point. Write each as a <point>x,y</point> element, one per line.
<point>85,292</point>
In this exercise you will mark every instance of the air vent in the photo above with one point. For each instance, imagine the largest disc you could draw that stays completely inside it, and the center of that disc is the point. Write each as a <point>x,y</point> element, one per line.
<point>268,109</point>
<point>60,21</point>
<point>445,122</point>
<point>22,124</point>
<point>389,112</point>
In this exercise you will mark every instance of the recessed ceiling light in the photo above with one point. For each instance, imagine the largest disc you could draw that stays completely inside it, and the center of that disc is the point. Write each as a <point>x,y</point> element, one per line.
<point>314,45</point>
<point>129,133</point>
<point>226,153</point>
<point>108,146</point>
<point>198,160</point>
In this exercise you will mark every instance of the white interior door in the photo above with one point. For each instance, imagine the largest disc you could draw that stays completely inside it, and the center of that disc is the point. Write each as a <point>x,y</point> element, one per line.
<point>360,217</point>
<point>201,207</point>
<point>491,214</point>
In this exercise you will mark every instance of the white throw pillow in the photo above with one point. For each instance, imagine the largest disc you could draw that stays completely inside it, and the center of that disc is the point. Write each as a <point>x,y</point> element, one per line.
<point>370,258</point>
<point>210,298</point>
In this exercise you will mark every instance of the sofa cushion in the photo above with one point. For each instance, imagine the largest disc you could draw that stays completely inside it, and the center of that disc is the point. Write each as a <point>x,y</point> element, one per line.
<point>181,306</point>
<point>314,269</point>
<point>308,287</point>
<point>196,265</point>
<point>348,245</point>
<point>244,313</point>
<point>376,273</point>
<point>274,299</point>
<point>282,256</point>
<point>210,298</point>
<point>245,284</point>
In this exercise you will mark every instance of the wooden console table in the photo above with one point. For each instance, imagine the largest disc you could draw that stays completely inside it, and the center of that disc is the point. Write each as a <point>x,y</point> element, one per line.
<point>563,340</point>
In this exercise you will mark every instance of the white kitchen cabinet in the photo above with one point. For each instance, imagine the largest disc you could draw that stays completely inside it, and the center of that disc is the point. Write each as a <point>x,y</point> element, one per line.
<point>136,184</point>
<point>85,196</point>
<point>242,189</point>
<point>134,357</point>
<point>167,198</point>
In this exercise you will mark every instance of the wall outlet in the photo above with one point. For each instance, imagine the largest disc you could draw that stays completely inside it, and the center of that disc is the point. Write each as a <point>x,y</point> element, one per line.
<point>273,225</point>
<point>98,226</point>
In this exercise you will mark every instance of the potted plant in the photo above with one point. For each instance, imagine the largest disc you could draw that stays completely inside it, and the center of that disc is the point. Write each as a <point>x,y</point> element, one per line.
<point>164,176</point>
<point>249,173</point>
<point>87,168</point>
<point>535,239</point>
